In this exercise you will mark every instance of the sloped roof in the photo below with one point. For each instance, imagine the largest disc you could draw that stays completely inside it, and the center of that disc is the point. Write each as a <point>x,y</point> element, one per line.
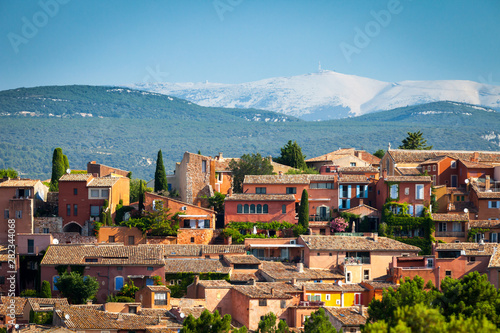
<point>245,259</point>
<point>103,181</point>
<point>107,254</point>
<point>195,266</point>
<point>495,259</point>
<point>470,249</point>
<point>353,179</point>
<point>348,316</point>
<point>490,224</point>
<point>460,217</point>
<point>409,179</point>
<point>311,286</point>
<point>267,290</point>
<point>194,250</point>
<point>19,183</point>
<point>279,271</point>
<point>46,304</point>
<point>276,179</point>
<point>75,177</point>
<point>19,304</point>
<point>352,243</point>
<point>357,169</point>
<point>259,197</point>
<point>419,156</point>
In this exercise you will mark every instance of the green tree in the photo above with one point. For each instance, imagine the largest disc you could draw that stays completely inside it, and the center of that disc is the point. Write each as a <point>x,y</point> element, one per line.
<point>207,323</point>
<point>128,290</point>
<point>135,185</point>
<point>420,318</point>
<point>304,210</point>
<point>318,322</point>
<point>217,201</point>
<point>253,164</point>
<point>66,163</point>
<point>379,153</point>
<point>410,292</point>
<point>46,292</point>
<point>11,173</point>
<point>159,222</point>
<point>291,155</point>
<point>268,325</point>
<point>57,169</point>
<point>471,296</point>
<point>161,184</point>
<point>305,171</point>
<point>415,141</point>
<point>77,288</point>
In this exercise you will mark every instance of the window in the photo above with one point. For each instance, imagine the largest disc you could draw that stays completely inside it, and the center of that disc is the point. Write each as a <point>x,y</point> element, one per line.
<point>160,299</point>
<point>362,191</point>
<point>19,214</point>
<point>471,259</point>
<point>345,191</point>
<point>68,210</point>
<point>394,191</point>
<point>75,191</point>
<point>260,190</point>
<point>259,209</point>
<point>322,232</point>
<point>493,204</point>
<point>429,168</point>
<point>262,302</point>
<point>246,209</point>
<point>327,297</point>
<point>291,190</point>
<point>419,209</point>
<point>150,282</point>
<point>6,214</point>
<point>119,268</point>
<point>91,260</point>
<point>94,210</point>
<point>203,166</point>
<point>321,185</point>
<point>419,192</point>
<point>192,239</point>
<point>366,274</point>
<point>118,283</point>
<point>31,246</point>
<point>353,164</point>
<point>453,164</point>
<point>75,210</point>
<point>46,230</point>
<point>407,191</point>
<point>131,240</point>
<point>430,262</point>
<point>54,280</point>
<point>2,279</point>
<point>239,209</point>
<point>94,193</point>
<point>433,168</point>
<point>448,273</point>
<point>132,309</point>
<point>283,209</point>
<point>457,226</point>
<point>434,179</point>
<point>348,277</point>
<point>111,239</point>
<point>283,304</point>
<point>442,226</point>
<point>264,209</point>
<point>344,203</point>
<point>357,299</point>
<point>493,237</point>
<point>252,209</point>
<point>104,193</point>
<point>150,268</point>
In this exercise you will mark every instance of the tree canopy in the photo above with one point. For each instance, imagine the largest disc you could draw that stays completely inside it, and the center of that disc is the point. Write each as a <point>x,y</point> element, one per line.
<point>268,325</point>
<point>291,155</point>
<point>415,141</point>
<point>318,322</point>
<point>57,169</point>
<point>253,164</point>
<point>159,222</point>
<point>11,173</point>
<point>207,323</point>
<point>379,153</point>
<point>77,288</point>
<point>304,210</point>
<point>161,184</point>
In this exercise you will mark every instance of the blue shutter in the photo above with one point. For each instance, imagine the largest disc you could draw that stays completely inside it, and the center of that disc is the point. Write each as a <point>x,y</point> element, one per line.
<point>340,203</point>
<point>150,282</point>
<point>348,203</point>
<point>366,191</point>
<point>410,209</point>
<point>489,204</point>
<point>118,283</point>
<point>357,191</point>
<point>341,191</point>
<point>349,191</point>
<point>54,280</point>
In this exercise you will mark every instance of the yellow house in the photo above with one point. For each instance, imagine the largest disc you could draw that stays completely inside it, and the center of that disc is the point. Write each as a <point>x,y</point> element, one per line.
<point>336,294</point>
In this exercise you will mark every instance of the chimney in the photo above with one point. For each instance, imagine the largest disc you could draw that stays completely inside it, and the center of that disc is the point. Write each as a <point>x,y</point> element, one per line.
<point>230,240</point>
<point>220,157</point>
<point>196,279</point>
<point>229,191</point>
<point>361,201</point>
<point>294,281</point>
<point>304,297</point>
<point>300,267</point>
<point>272,291</point>
<point>475,158</point>
<point>375,236</point>
<point>487,183</point>
<point>89,302</point>
<point>360,309</point>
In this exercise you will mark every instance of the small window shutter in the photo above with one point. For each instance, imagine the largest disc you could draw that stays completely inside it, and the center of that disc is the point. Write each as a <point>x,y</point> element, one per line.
<point>410,209</point>
<point>366,191</point>
<point>498,204</point>
<point>340,203</point>
<point>489,204</point>
<point>349,191</point>
<point>357,191</point>
<point>341,189</point>
<point>348,203</point>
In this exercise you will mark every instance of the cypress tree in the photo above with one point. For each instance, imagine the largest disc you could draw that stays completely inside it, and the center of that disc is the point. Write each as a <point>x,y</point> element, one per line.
<point>141,194</point>
<point>45,292</point>
<point>304,209</point>
<point>160,175</point>
<point>57,169</point>
<point>66,162</point>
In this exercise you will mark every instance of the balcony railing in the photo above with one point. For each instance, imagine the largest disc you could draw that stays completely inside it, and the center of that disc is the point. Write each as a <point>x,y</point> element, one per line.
<point>357,260</point>
<point>450,234</point>
<point>311,303</point>
<point>318,218</point>
<point>418,267</point>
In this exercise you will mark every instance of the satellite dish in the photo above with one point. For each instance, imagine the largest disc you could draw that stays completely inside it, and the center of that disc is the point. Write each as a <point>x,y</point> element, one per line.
<point>16,326</point>
<point>68,171</point>
<point>340,283</point>
<point>182,315</point>
<point>55,241</point>
<point>466,181</point>
<point>66,316</point>
<point>466,210</point>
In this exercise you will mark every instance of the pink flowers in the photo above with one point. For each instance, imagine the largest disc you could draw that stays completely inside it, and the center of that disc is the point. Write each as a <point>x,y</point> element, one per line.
<point>339,224</point>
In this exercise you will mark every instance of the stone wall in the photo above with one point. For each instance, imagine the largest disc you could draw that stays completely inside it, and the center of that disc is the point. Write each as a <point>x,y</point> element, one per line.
<point>161,240</point>
<point>54,224</point>
<point>73,238</point>
<point>195,236</point>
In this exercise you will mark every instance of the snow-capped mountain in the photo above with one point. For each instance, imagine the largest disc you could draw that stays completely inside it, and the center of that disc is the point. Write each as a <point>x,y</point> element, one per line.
<point>328,94</point>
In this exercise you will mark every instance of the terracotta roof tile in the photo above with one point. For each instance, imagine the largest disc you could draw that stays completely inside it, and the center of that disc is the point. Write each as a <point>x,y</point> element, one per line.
<point>409,179</point>
<point>464,217</point>
<point>259,197</point>
<point>195,250</point>
<point>495,259</point>
<point>278,271</point>
<point>46,304</point>
<point>331,287</point>
<point>333,155</point>
<point>158,288</point>
<point>470,249</point>
<point>403,155</point>
<point>106,254</point>
<point>246,259</point>
<point>360,169</point>
<point>19,303</point>
<point>348,316</point>
<point>215,284</point>
<point>489,224</point>
<point>268,290</point>
<point>378,285</point>
<point>103,182</point>
<point>409,171</point>
<point>276,179</point>
<point>354,179</point>
<point>347,243</point>
<point>474,165</point>
<point>19,183</point>
<point>75,177</point>
<point>195,266</point>
<point>242,277</point>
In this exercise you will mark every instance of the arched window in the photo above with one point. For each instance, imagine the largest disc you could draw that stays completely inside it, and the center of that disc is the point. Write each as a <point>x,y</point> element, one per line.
<point>118,283</point>
<point>246,209</point>
<point>259,209</point>
<point>54,280</point>
<point>264,210</point>
<point>240,209</point>
<point>252,209</point>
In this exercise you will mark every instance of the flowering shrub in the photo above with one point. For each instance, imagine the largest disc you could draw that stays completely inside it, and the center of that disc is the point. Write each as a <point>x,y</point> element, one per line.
<point>338,224</point>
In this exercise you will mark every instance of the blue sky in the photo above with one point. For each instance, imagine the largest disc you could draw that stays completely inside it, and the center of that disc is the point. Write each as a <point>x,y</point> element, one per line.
<point>58,42</point>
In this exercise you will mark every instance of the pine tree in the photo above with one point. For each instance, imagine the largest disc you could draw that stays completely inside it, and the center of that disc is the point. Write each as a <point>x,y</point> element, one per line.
<point>57,169</point>
<point>304,210</point>
<point>415,141</point>
<point>160,175</point>
<point>291,155</point>
<point>45,292</point>
<point>141,194</point>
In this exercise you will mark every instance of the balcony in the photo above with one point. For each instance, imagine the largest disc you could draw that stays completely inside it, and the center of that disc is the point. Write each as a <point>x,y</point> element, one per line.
<point>450,234</point>
<point>356,260</point>
<point>311,303</point>
<point>319,218</point>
